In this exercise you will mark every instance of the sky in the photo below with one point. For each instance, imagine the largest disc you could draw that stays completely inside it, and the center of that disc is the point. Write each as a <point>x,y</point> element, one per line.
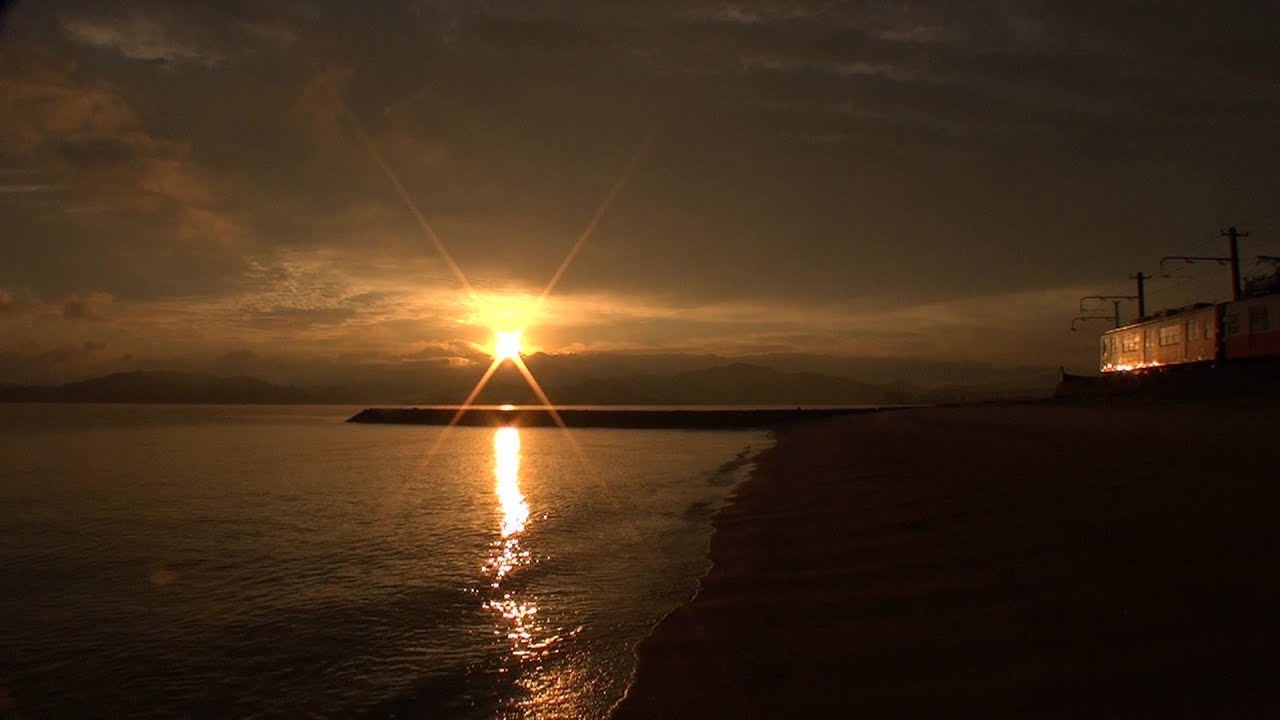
<point>198,185</point>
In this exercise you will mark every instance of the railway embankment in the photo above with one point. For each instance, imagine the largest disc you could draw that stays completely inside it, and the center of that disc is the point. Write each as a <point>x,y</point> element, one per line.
<point>1230,383</point>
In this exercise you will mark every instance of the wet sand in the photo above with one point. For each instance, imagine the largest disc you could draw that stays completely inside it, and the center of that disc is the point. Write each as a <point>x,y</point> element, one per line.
<point>1033,561</point>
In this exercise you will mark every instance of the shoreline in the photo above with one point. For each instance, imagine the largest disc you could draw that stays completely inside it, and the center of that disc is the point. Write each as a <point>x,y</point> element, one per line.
<point>979,561</point>
<point>751,456</point>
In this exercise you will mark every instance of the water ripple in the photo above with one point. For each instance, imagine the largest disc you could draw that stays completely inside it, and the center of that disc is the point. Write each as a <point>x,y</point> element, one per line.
<point>249,567</point>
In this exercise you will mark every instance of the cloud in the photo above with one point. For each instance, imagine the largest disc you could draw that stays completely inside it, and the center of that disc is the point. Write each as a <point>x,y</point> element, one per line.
<point>757,12</point>
<point>319,106</point>
<point>21,304</point>
<point>86,305</point>
<point>922,34</point>
<point>41,106</point>
<point>24,189</point>
<point>125,193</point>
<point>139,37</point>
<point>274,34</point>
<point>448,352</point>
<point>836,67</point>
<point>300,320</point>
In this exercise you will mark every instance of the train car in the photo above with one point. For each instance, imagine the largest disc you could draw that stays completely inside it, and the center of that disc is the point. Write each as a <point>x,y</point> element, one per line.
<point>1184,337</point>
<point>1122,349</point>
<point>1251,328</point>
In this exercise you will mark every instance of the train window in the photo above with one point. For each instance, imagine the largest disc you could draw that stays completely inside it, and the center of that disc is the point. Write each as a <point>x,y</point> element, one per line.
<point>1231,324</point>
<point>1259,321</point>
<point>1151,338</point>
<point>1193,329</point>
<point>1171,334</point>
<point>1132,342</point>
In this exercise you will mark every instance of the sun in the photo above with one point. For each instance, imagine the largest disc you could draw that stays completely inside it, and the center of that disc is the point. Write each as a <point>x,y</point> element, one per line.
<point>506,346</point>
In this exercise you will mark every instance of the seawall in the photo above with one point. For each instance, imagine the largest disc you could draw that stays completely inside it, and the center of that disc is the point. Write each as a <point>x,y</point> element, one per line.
<point>628,418</point>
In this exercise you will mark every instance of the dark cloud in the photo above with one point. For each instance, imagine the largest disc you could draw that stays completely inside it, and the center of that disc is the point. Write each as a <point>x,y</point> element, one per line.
<point>299,318</point>
<point>87,305</point>
<point>139,37</point>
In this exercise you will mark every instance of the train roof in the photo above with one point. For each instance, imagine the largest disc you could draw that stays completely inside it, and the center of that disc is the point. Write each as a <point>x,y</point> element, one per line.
<point>1188,309</point>
<point>1164,315</point>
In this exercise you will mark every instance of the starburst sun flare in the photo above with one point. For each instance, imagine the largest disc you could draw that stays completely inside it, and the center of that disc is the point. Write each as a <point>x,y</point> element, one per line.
<point>506,345</point>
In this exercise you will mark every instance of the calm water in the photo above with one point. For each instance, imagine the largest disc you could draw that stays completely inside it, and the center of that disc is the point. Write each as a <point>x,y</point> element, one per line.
<point>170,561</point>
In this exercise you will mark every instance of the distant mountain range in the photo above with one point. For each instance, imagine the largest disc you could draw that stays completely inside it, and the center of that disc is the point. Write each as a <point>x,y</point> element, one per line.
<point>730,384</point>
<point>168,387</point>
<point>734,384</point>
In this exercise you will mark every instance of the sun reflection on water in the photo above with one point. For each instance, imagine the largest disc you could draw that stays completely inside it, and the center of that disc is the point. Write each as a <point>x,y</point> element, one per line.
<point>526,634</point>
<point>546,683</point>
<point>506,467</point>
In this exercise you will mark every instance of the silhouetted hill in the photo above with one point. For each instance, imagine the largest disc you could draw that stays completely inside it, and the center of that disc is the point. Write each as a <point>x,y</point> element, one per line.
<point>169,387</point>
<point>733,384</point>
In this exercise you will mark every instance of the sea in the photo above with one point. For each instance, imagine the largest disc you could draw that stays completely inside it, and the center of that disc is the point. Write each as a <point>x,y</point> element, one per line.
<point>162,561</point>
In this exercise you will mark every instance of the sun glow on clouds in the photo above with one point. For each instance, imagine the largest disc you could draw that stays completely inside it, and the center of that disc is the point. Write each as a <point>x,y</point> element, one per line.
<point>498,309</point>
<point>324,306</point>
<point>501,318</point>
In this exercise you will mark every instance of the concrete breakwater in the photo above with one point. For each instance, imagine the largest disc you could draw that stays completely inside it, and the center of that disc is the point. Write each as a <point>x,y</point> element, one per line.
<point>604,417</point>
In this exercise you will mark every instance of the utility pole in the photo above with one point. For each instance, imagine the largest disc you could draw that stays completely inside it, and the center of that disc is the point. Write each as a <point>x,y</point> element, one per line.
<point>1234,235</point>
<point>1142,294</point>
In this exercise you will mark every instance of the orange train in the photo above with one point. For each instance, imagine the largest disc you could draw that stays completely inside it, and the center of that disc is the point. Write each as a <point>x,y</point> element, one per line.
<point>1201,334</point>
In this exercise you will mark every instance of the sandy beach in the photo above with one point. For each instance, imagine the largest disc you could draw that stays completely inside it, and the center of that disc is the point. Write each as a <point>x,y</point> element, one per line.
<point>1031,561</point>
